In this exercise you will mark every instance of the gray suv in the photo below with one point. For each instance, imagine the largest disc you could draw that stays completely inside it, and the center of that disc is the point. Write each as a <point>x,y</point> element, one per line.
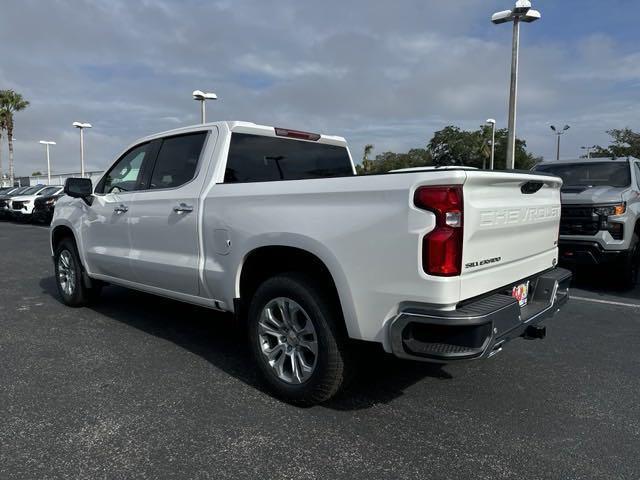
<point>600,221</point>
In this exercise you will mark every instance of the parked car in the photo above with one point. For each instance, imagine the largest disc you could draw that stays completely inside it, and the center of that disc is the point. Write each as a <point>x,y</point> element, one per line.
<point>6,197</point>
<point>600,222</point>
<point>44,206</point>
<point>274,226</point>
<point>21,206</point>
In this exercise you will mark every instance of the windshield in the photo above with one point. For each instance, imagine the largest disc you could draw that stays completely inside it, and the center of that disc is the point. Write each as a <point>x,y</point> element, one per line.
<point>611,174</point>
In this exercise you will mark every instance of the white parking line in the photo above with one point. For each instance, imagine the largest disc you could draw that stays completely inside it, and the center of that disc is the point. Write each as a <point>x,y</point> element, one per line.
<point>608,302</point>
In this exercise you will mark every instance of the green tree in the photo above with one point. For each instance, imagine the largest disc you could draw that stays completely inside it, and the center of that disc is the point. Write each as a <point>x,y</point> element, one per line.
<point>36,173</point>
<point>524,159</point>
<point>625,143</point>
<point>454,146</point>
<point>10,103</point>
<point>387,161</point>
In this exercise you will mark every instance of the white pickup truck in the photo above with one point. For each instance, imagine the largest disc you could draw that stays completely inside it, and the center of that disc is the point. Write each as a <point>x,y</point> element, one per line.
<point>274,225</point>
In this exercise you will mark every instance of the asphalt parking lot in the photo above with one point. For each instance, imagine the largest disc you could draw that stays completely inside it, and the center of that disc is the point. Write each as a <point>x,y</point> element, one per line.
<point>142,387</point>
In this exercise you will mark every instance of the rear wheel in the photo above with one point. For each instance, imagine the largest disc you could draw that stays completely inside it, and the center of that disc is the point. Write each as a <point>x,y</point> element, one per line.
<point>297,339</point>
<point>68,275</point>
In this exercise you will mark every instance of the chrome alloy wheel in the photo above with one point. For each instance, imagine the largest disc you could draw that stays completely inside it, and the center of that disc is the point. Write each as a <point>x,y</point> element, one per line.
<point>288,340</point>
<point>66,273</point>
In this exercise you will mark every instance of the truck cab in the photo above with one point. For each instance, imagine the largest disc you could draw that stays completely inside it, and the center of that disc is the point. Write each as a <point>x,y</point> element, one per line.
<point>600,222</point>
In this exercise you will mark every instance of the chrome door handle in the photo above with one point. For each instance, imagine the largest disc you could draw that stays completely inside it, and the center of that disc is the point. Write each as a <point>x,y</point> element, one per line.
<point>183,208</point>
<point>121,209</point>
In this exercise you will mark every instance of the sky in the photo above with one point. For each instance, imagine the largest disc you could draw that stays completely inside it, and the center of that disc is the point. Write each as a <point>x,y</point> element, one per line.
<point>385,73</point>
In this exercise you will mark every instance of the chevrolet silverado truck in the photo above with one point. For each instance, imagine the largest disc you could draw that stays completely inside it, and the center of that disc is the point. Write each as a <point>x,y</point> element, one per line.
<point>600,221</point>
<point>275,226</point>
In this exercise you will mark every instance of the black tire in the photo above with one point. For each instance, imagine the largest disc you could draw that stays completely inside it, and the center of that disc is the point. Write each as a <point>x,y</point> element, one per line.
<point>74,292</point>
<point>332,366</point>
<point>631,266</point>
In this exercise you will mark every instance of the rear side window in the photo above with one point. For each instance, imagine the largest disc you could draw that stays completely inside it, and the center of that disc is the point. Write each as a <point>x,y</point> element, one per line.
<point>255,158</point>
<point>638,174</point>
<point>177,160</point>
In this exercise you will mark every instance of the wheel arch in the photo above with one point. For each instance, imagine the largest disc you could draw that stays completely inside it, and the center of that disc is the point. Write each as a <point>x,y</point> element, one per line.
<point>60,232</point>
<point>265,261</point>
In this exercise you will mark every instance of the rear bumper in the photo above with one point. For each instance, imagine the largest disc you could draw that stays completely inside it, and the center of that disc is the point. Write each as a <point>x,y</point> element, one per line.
<point>480,328</point>
<point>587,253</point>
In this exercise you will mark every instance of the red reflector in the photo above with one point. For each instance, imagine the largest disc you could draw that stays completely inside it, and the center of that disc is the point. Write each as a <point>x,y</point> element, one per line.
<point>442,252</point>
<point>442,247</point>
<point>283,132</point>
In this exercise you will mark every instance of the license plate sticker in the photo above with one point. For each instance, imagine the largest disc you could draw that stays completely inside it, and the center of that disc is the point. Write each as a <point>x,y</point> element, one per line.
<point>521,293</point>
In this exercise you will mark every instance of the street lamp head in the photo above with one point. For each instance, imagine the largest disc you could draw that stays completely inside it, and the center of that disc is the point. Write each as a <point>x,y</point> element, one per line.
<point>82,125</point>
<point>522,7</point>
<point>522,11</point>
<point>491,121</point>
<point>566,127</point>
<point>45,142</point>
<point>553,128</point>
<point>502,17</point>
<point>200,95</point>
<point>531,16</point>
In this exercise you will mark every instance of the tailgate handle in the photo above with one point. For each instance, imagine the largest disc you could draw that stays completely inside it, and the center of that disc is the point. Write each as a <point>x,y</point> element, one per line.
<point>531,187</point>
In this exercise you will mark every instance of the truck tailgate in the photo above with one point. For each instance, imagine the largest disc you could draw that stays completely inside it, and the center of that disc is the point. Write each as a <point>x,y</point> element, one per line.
<point>511,224</point>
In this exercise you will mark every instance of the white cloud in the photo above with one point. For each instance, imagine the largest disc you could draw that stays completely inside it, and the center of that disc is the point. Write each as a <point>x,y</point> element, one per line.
<point>375,73</point>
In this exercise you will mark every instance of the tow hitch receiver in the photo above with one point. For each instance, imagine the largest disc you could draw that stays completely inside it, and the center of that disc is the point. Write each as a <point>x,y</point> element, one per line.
<point>535,331</point>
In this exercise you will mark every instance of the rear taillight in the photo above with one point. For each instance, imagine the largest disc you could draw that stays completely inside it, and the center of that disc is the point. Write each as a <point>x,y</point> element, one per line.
<point>442,247</point>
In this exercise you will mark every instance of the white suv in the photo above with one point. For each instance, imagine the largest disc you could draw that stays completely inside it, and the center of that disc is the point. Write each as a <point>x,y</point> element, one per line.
<point>21,207</point>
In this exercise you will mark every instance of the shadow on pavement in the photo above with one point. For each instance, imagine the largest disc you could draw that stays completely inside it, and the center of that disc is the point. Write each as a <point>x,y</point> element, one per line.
<point>602,280</point>
<point>220,340</point>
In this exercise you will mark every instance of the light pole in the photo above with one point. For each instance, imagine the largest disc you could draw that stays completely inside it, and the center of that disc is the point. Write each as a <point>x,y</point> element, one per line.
<point>202,97</point>
<point>522,12</point>
<point>492,122</point>
<point>588,149</point>
<point>82,126</point>
<point>46,143</point>
<point>558,134</point>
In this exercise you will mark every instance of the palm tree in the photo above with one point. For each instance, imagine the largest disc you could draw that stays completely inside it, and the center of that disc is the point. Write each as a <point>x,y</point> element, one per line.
<point>366,163</point>
<point>485,145</point>
<point>3,127</point>
<point>10,103</point>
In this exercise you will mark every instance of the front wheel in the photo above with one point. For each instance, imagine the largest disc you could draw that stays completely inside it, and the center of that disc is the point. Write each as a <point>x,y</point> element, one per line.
<point>297,339</point>
<point>630,270</point>
<point>68,275</point>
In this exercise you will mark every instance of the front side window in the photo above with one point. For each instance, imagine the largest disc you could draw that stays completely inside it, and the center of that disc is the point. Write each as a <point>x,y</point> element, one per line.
<point>126,174</point>
<point>256,158</point>
<point>638,174</point>
<point>177,160</point>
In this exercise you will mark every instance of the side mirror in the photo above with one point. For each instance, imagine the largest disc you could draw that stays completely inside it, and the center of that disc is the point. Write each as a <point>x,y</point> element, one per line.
<point>79,188</point>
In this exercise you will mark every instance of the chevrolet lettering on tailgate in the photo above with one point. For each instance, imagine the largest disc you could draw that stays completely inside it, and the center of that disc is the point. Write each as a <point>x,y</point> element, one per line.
<point>514,216</point>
